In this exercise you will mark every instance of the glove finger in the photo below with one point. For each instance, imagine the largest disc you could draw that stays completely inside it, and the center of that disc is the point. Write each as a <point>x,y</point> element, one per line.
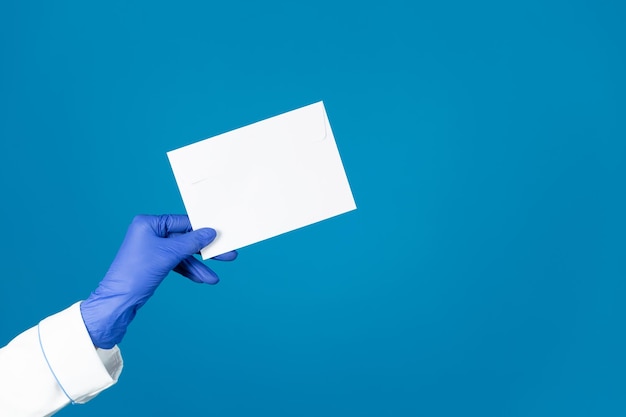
<point>192,242</point>
<point>196,271</point>
<point>228,256</point>
<point>172,223</point>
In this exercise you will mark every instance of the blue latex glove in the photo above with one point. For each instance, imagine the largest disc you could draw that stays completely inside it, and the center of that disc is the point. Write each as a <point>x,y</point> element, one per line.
<point>153,246</point>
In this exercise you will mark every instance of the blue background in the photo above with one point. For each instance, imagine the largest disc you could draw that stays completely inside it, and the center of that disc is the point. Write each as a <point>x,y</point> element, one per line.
<point>482,274</point>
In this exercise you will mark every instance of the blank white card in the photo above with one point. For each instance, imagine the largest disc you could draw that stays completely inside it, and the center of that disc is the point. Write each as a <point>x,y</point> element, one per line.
<point>264,179</point>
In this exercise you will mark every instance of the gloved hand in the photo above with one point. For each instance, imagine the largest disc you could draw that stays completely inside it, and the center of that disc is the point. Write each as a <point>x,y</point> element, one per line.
<point>153,246</point>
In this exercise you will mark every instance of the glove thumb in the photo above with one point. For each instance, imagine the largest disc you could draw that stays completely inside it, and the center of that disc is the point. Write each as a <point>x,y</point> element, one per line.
<point>192,242</point>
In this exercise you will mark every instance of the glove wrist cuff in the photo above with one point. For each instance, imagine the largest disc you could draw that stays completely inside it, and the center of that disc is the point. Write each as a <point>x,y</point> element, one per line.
<point>107,319</point>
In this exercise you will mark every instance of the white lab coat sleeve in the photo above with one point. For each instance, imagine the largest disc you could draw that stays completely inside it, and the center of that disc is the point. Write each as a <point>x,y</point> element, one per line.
<point>52,364</point>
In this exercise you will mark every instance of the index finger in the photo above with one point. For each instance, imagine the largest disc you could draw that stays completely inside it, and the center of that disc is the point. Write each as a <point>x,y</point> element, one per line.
<point>173,223</point>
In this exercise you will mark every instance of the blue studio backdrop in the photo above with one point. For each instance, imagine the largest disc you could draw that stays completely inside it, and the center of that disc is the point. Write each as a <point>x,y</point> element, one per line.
<point>483,273</point>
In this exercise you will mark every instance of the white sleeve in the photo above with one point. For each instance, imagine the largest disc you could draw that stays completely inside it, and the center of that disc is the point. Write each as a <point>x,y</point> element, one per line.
<point>53,364</point>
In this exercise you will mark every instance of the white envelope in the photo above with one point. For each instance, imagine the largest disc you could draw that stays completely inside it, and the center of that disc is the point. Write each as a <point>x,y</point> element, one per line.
<point>264,179</point>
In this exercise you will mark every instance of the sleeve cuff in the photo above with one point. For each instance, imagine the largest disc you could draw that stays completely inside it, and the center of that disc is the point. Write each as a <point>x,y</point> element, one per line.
<point>81,370</point>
